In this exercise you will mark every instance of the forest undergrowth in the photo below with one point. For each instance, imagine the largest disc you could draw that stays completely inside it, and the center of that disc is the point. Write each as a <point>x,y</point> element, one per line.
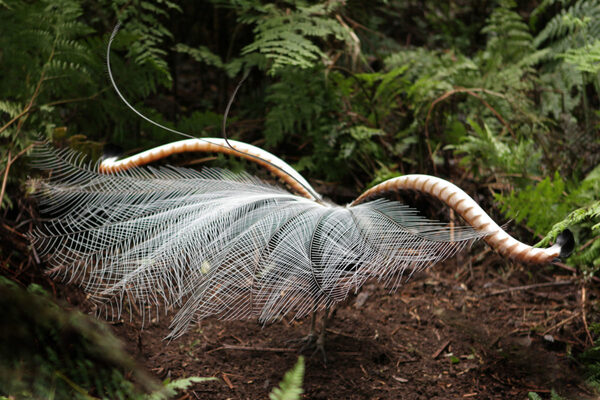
<point>498,96</point>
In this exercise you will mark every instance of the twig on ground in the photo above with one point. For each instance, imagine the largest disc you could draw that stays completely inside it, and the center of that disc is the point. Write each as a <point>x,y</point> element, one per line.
<point>561,323</point>
<point>571,269</point>
<point>583,317</point>
<point>527,287</point>
<point>254,348</point>
<point>339,333</point>
<point>439,351</point>
<point>227,380</point>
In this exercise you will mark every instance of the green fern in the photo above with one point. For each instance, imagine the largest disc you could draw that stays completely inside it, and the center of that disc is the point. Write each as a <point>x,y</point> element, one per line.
<point>201,54</point>
<point>553,396</point>
<point>53,69</point>
<point>288,34</point>
<point>171,388</point>
<point>541,205</point>
<point>509,39</point>
<point>585,58</point>
<point>546,207</point>
<point>487,153</point>
<point>47,351</point>
<point>572,27</point>
<point>290,387</point>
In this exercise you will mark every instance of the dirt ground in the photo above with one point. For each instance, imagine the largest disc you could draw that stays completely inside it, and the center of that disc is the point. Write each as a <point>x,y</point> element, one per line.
<point>474,327</point>
<point>464,329</point>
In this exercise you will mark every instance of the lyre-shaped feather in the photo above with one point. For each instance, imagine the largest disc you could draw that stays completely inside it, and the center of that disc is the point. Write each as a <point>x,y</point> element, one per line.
<point>232,246</point>
<point>221,244</point>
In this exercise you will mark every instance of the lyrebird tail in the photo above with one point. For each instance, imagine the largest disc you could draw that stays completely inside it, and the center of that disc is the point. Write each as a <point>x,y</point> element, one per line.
<point>221,244</point>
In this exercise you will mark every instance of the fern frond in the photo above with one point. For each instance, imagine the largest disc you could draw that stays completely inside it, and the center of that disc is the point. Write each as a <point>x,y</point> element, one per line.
<point>571,27</point>
<point>11,108</point>
<point>508,35</point>
<point>290,387</point>
<point>589,213</point>
<point>171,388</point>
<point>287,37</point>
<point>585,58</point>
<point>201,54</point>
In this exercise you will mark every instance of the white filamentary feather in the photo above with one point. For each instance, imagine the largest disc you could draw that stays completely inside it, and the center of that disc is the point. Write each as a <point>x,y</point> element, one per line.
<point>221,244</point>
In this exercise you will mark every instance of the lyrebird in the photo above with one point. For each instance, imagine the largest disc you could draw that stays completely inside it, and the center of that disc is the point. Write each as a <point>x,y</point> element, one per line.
<point>232,246</point>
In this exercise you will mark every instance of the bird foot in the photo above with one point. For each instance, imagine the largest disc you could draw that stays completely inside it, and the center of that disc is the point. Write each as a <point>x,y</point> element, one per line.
<point>306,342</point>
<point>311,341</point>
<point>320,348</point>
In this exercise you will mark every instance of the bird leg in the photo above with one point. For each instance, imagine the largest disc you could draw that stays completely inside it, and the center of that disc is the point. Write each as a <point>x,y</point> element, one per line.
<point>312,340</point>
<point>320,343</point>
<point>309,340</point>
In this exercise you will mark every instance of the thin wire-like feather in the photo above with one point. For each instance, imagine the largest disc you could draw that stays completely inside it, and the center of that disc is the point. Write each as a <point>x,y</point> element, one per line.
<point>223,245</point>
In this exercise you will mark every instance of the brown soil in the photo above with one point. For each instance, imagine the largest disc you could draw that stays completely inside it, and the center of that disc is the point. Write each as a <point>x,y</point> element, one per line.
<point>440,336</point>
<point>445,334</point>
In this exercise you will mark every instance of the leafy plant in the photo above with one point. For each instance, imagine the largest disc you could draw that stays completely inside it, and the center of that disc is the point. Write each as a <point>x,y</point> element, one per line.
<point>546,207</point>
<point>290,387</point>
<point>553,396</point>
<point>48,351</point>
<point>489,154</point>
<point>305,110</point>
<point>171,388</point>
<point>52,63</point>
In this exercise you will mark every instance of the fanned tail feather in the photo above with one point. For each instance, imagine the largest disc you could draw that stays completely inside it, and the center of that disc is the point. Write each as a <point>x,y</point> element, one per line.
<point>222,244</point>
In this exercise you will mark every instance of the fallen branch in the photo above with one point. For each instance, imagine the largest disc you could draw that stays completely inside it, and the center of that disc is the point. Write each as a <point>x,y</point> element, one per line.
<point>583,317</point>
<point>439,351</point>
<point>252,348</point>
<point>561,323</point>
<point>528,287</point>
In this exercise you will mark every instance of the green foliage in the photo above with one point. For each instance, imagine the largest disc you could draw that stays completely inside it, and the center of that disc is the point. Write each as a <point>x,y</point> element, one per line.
<point>171,388</point>
<point>201,54</point>
<point>300,102</point>
<point>546,207</point>
<point>306,109</point>
<point>290,388</point>
<point>571,37</point>
<point>509,38</point>
<point>486,153</point>
<point>287,33</point>
<point>294,47</point>
<point>540,205</point>
<point>291,33</point>
<point>553,396</point>
<point>49,352</point>
<point>492,120</point>
<point>53,70</point>
<point>587,221</point>
<point>569,27</point>
<point>585,58</point>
